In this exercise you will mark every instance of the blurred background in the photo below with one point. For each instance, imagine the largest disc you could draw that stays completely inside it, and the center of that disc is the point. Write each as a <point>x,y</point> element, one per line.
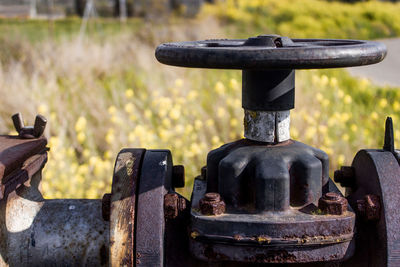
<point>89,67</point>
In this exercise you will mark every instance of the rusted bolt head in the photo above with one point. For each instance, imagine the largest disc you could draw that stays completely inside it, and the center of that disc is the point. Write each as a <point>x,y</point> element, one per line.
<point>369,207</point>
<point>105,207</point>
<point>345,176</point>
<point>173,205</point>
<point>212,204</point>
<point>333,204</point>
<point>178,176</point>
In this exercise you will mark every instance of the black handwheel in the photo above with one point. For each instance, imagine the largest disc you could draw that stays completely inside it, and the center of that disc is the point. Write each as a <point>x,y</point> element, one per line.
<point>271,52</point>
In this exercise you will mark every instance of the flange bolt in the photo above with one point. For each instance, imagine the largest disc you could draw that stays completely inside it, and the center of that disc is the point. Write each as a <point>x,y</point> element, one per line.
<point>333,204</point>
<point>212,204</point>
<point>369,207</point>
<point>345,176</point>
<point>173,205</point>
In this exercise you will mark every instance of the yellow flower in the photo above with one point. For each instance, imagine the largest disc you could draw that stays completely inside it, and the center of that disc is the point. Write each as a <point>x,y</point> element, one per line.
<point>322,129</point>
<point>333,82</point>
<point>129,108</point>
<point>81,137</point>
<point>112,110</point>
<point>148,113</point>
<point>80,124</point>
<point>179,83</point>
<point>198,124</point>
<point>396,106</point>
<point>345,116</point>
<point>110,137</point>
<point>294,132</point>
<point>129,93</point>
<point>215,140</point>
<point>383,103</point>
<point>43,109</point>
<point>345,137</point>
<point>175,113</point>
<point>192,95</point>
<point>220,88</point>
<point>233,122</point>
<point>340,93</point>
<point>341,159</point>
<point>210,123</point>
<point>319,97</point>
<point>233,83</point>
<point>354,127</point>
<point>347,99</point>
<point>166,122</point>
<point>107,154</point>
<point>221,112</point>
<point>324,80</point>
<point>374,115</point>
<point>188,129</point>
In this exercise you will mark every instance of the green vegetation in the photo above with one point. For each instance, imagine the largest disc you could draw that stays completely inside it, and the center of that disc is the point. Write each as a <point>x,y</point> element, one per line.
<point>104,91</point>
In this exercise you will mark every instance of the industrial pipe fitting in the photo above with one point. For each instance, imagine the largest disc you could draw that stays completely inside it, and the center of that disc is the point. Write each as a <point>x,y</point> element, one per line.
<point>264,199</point>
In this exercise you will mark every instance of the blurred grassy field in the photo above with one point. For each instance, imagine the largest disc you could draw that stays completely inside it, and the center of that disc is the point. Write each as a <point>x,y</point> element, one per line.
<point>104,90</point>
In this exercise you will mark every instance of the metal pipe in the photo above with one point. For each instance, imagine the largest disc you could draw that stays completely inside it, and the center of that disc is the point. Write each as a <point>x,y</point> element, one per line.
<point>62,232</point>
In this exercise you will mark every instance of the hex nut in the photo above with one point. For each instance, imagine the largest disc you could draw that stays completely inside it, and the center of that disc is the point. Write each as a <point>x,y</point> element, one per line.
<point>369,207</point>
<point>345,176</point>
<point>212,204</point>
<point>173,205</point>
<point>332,204</point>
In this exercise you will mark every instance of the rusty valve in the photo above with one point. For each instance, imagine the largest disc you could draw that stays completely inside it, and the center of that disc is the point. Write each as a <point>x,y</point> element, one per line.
<point>29,132</point>
<point>212,204</point>
<point>333,204</point>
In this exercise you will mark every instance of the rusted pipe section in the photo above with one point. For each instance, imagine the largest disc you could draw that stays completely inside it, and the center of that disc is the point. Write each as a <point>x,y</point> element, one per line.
<point>68,232</point>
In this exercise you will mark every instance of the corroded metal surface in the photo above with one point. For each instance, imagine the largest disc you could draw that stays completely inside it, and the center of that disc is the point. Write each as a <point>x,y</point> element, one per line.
<point>39,232</point>
<point>267,126</point>
<point>212,204</point>
<point>304,234</point>
<point>15,151</point>
<point>123,207</point>
<point>377,173</point>
<point>332,203</point>
<point>155,181</point>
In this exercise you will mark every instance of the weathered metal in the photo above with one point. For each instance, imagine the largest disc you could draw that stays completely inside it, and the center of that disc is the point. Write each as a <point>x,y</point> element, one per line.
<point>333,204</point>
<point>212,204</point>
<point>173,205</point>
<point>265,199</point>
<point>271,185</point>
<point>123,206</point>
<point>259,53</point>
<point>267,126</point>
<point>155,182</point>
<point>345,176</point>
<point>29,132</point>
<point>369,207</point>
